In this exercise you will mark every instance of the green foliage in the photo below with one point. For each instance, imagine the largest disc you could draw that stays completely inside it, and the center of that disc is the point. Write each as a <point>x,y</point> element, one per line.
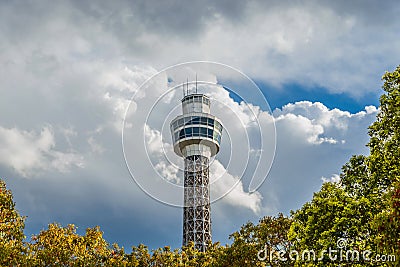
<point>330,216</point>
<point>11,230</point>
<point>385,164</point>
<point>140,256</point>
<point>62,246</point>
<point>269,234</point>
<point>364,207</point>
<point>385,134</point>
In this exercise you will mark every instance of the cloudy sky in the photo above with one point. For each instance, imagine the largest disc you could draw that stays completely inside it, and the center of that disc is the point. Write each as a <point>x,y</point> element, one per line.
<point>71,70</point>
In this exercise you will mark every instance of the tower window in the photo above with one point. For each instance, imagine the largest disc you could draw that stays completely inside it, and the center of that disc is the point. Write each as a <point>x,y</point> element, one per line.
<point>209,133</point>
<point>196,120</point>
<point>188,132</point>
<point>218,126</point>
<point>182,133</point>
<point>203,132</point>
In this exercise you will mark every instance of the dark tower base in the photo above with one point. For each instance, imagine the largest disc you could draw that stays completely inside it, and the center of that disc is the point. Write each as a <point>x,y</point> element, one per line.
<point>196,213</point>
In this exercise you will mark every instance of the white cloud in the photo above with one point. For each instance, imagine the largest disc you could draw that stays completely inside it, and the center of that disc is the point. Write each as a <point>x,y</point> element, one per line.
<point>371,109</point>
<point>317,123</point>
<point>29,153</point>
<point>168,171</point>
<point>333,179</point>
<point>68,133</point>
<point>153,140</point>
<point>313,142</point>
<point>302,129</point>
<point>237,196</point>
<point>95,146</point>
<point>318,113</point>
<point>157,150</point>
<point>313,43</point>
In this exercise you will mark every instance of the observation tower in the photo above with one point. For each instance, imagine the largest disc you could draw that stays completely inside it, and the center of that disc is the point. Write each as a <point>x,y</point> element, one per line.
<point>196,135</point>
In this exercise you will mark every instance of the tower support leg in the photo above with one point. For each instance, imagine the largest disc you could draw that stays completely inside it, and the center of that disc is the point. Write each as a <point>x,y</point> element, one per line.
<point>196,212</point>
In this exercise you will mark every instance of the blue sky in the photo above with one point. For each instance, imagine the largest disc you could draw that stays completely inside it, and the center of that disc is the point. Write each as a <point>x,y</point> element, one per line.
<point>277,97</point>
<point>69,70</point>
<point>293,93</point>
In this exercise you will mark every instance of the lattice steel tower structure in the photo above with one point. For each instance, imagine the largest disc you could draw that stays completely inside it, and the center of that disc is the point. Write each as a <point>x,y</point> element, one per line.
<point>196,136</point>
